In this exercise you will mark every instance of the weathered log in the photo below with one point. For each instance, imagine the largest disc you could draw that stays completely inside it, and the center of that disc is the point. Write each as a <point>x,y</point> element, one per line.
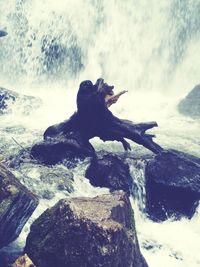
<point>94,119</point>
<point>135,132</point>
<point>117,131</point>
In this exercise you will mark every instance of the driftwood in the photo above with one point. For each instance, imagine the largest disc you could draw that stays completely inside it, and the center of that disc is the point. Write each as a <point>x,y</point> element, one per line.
<point>94,119</point>
<point>117,132</point>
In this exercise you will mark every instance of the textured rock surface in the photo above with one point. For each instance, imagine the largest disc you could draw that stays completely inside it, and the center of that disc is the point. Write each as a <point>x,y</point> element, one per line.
<point>108,170</point>
<point>59,148</point>
<point>23,261</point>
<point>86,232</point>
<point>172,185</point>
<point>17,204</point>
<point>25,104</point>
<point>190,105</point>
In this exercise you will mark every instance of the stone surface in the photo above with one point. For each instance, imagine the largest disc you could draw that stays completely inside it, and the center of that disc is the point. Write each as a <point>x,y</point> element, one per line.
<point>108,170</point>
<point>59,148</point>
<point>190,105</point>
<point>23,261</point>
<point>86,232</point>
<point>17,204</point>
<point>25,104</point>
<point>172,185</point>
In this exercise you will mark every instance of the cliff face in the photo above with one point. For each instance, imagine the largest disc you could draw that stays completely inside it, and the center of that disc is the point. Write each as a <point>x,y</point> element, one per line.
<point>17,204</point>
<point>85,232</point>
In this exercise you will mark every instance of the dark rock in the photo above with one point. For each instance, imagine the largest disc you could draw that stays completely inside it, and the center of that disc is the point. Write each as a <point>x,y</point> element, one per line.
<point>17,204</point>
<point>73,233</point>
<point>57,149</point>
<point>190,105</point>
<point>108,170</point>
<point>172,185</point>
<point>25,104</point>
<point>47,194</point>
<point>3,33</point>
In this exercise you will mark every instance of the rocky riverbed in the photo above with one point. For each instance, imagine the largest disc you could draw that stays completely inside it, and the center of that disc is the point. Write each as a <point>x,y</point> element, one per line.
<point>165,186</point>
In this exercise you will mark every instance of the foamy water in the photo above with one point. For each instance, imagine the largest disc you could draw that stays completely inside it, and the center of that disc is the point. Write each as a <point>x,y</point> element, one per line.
<point>147,47</point>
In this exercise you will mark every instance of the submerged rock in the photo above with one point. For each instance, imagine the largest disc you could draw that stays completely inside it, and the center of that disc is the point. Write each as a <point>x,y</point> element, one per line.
<point>190,105</point>
<point>23,261</point>
<point>25,104</point>
<point>17,204</point>
<point>108,170</point>
<point>172,185</point>
<point>61,147</point>
<point>44,181</point>
<point>84,232</point>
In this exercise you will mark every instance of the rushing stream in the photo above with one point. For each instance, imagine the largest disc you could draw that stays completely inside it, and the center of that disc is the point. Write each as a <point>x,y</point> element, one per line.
<point>149,48</point>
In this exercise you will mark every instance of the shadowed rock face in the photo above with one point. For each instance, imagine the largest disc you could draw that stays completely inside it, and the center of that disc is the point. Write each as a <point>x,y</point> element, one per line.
<point>172,185</point>
<point>190,105</point>
<point>108,170</point>
<point>86,232</point>
<point>17,204</point>
<point>59,148</point>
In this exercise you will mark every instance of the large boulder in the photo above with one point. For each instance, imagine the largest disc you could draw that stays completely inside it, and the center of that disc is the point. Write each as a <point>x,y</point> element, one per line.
<point>55,150</point>
<point>25,104</point>
<point>172,185</point>
<point>17,204</point>
<point>108,170</point>
<point>190,105</point>
<point>85,232</point>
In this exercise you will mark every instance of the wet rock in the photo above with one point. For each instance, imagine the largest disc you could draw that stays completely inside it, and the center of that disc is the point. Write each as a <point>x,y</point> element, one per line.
<point>3,33</point>
<point>46,180</point>
<point>190,105</point>
<point>59,148</point>
<point>172,185</point>
<point>10,99</point>
<point>23,261</point>
<point>73,233</point>
<point>59,176</point>
<point>47,194</point>
<point>108,170</point>
<point>17,204</point>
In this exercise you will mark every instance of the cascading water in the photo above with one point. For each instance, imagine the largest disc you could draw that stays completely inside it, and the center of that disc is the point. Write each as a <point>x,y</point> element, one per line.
<point>148,47</point>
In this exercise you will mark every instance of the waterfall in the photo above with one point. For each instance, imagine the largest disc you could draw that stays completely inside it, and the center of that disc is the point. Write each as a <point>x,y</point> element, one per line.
<point>139,45</point>
<point>147,47</point>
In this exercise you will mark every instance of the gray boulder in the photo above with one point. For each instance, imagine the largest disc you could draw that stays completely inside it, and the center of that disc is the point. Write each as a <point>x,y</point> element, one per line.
<point>190,105</point>
<point>17,204</point>
<point>86,232</point>
<point>25,104</point>
<point>172,185</point>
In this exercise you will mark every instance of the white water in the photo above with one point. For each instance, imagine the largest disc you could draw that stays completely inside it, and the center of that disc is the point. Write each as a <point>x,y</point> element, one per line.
<point>147,47</point>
